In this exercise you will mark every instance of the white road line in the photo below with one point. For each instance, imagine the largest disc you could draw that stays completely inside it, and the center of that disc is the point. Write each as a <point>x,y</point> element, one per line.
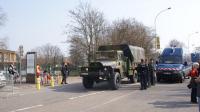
<point>110,101</point>
<point>26,108</point>
<point>72,98</point>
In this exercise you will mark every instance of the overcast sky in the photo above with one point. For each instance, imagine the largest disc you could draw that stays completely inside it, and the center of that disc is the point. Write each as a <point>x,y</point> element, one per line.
<point>33,23</point>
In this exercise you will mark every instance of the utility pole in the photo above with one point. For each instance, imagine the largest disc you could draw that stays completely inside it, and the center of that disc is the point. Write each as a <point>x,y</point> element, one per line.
<point>21,51</point>
<point>155,20</point>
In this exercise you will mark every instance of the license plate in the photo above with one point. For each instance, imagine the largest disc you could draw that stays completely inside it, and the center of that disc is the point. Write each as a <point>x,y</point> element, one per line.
<point>167,73</point>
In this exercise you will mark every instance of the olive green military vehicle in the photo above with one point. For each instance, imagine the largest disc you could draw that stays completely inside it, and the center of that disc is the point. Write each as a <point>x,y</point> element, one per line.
<point>113,63</point>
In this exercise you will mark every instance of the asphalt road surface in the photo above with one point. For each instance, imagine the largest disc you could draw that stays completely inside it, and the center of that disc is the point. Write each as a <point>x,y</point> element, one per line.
<point>164,97</point>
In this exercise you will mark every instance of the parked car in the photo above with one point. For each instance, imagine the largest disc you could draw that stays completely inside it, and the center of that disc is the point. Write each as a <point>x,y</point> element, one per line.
<point>2,79</point>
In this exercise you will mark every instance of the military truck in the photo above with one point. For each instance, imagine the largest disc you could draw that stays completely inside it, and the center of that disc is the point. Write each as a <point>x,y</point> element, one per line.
<point>113,63</point>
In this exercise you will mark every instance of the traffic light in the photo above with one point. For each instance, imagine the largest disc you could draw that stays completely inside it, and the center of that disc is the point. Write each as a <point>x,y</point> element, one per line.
<point>158,42</point>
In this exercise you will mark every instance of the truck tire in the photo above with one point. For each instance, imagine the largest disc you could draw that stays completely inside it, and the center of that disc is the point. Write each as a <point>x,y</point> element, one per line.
<point>115,81</point>
<point>88,82</point>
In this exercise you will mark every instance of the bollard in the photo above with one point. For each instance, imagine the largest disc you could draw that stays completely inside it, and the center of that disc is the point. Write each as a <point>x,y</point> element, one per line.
<point>52,81</point>
<point>38,83</point>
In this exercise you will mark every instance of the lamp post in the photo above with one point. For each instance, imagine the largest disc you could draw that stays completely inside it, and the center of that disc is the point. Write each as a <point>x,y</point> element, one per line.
<point>156,21</point>
<point>189,40</point>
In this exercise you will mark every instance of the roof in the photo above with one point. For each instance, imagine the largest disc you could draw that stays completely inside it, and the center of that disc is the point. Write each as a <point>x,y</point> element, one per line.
<point>172,52</point>
<point>5,50</point>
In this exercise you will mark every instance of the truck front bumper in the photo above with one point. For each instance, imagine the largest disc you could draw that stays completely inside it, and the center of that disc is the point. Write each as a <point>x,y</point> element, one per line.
<point>94,74</point>
<point>166,75</point>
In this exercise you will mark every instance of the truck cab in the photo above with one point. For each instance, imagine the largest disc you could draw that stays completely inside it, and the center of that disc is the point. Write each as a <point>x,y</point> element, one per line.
<point>114,59</point>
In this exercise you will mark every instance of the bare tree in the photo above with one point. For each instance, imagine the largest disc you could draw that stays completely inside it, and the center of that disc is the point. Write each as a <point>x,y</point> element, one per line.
<point>2,17</point>
<point>129,31</point>
<point>4,43</point>
<point>77,54</point>
<point>48,55</point>
<point>175,43</point>
<point>88,25</point>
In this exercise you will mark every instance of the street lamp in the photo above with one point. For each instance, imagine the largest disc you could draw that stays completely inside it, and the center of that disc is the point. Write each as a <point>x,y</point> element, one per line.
<point>189,40</point>
<point>156,20</point>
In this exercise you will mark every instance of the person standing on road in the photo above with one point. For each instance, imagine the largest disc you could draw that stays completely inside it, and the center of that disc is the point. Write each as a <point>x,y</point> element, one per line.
<point>38,70</point>
<point>67,69</point>
<point>152,72</point>
<point>11,69</point>
<point>45,80</point>
<point>142,70</point>
<point>64,73</point>
<point>193,85</point>
<point>148,74</point>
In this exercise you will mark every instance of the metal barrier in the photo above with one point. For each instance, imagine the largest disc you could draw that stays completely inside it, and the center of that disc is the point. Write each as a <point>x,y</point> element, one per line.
<point>8,89</point>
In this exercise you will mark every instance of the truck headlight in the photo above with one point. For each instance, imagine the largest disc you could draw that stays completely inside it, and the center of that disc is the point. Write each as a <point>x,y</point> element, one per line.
<point>105,69</point>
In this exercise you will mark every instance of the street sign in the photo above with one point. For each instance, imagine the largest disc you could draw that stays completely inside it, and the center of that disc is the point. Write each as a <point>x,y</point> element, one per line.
<point>30,68</point>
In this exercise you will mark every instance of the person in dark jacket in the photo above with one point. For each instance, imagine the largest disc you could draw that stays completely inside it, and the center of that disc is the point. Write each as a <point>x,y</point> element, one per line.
<point>142,70</point>
<point>11,69</point>
<point>67,68</point>
<point>148,74</point>
<point>152,72</point>
<point>64,73</point>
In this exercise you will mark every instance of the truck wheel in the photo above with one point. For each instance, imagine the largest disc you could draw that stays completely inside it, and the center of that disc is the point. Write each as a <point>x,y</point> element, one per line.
<point>88,82</point>
<point>115,81</point>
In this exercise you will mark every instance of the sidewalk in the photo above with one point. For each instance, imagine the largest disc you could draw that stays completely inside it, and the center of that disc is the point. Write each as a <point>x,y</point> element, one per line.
<point>20,89</point>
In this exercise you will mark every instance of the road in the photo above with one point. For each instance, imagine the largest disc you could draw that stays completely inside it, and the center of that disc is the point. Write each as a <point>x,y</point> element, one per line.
<point>164,97</point>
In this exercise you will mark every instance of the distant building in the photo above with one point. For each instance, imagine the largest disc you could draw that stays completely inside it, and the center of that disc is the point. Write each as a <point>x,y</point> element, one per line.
<point>6,58</point>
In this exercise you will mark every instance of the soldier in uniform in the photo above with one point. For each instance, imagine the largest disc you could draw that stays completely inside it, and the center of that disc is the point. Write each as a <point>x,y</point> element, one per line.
<point>148,74</point>
<point>142,70</point>
<point>152,72</point>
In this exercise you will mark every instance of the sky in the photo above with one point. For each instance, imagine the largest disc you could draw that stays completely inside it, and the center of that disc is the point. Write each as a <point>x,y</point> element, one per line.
<point>34,23</point>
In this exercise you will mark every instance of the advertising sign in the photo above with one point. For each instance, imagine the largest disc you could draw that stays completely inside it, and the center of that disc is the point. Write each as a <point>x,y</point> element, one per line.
<point>31,56</point>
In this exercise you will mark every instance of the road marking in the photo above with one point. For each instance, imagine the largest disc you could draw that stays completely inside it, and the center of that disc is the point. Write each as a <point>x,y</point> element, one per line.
<point>26,108</point>
<point>72,98</point>
<point>110,101</point>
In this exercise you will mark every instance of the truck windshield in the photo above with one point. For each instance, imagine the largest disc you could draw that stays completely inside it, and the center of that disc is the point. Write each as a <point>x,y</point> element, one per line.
<point>106,55</point>
<point>171,60</point>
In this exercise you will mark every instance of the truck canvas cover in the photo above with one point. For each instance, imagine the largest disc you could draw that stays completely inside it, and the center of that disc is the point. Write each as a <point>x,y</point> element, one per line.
<point>134,53</point>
